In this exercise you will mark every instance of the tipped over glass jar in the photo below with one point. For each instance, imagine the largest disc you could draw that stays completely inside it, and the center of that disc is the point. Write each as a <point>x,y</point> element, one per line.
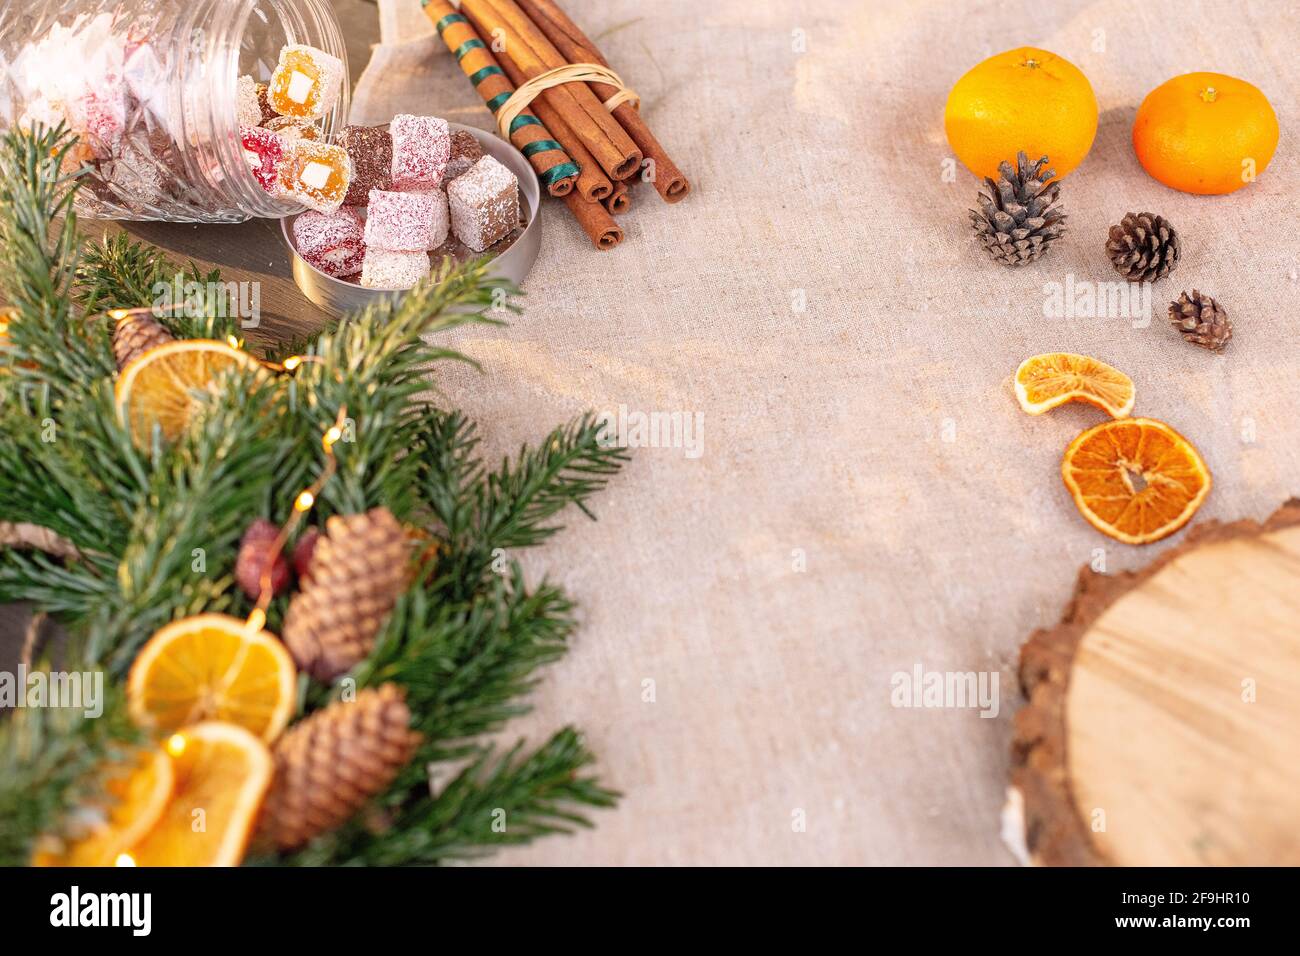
<point>151,89</point>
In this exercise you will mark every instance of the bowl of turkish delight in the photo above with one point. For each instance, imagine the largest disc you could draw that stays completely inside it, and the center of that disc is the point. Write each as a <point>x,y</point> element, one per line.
<point>391,203</point>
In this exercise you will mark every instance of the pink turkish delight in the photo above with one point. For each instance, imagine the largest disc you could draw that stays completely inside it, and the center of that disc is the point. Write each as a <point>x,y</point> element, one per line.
<point>332,242</point>
<point>404,222</point>
<point>263,151</point>
<point>421,151</point>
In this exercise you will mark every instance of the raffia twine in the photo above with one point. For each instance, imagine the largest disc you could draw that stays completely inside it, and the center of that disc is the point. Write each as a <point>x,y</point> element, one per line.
<point>570,73</point>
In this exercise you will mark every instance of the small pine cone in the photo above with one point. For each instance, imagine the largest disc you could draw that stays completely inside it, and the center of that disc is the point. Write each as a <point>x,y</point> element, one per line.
<point>135,335</point>
<point>1019,219</point>
<point>1144,247</point>
<point>359,568</point>
<point>328,766</point>
<point>1201,320</point>
<point>254,550</point>
<point>302,554</point>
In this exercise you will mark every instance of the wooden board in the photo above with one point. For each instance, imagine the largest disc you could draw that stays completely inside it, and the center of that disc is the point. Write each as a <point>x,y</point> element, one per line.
<point>1163,723</point>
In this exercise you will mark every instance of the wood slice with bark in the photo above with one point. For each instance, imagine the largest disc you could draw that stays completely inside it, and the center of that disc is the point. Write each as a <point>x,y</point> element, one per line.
<point>1163,719</point>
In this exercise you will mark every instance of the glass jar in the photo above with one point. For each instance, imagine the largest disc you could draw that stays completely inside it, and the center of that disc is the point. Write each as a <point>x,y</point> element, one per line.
<point>150,87</point>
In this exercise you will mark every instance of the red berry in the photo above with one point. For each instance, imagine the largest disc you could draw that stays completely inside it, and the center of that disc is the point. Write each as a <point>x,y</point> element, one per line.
<point>302,554</point>
<point>254,551</point>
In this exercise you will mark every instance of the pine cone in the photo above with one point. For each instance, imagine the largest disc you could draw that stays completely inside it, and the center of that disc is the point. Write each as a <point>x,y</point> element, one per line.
<point>1201,320</point>
<point>1143,247</point>
<point>328,766</point>
<point>135,335</point>
<point>1018,224</point>
<point>358,569</point>
<point>254,552</point>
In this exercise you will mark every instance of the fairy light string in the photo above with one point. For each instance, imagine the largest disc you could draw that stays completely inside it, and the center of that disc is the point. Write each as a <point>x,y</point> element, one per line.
<point>301,505</point>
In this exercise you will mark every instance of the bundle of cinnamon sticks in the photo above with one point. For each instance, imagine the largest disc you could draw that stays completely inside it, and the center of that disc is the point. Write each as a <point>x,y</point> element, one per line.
<point>583,152</point>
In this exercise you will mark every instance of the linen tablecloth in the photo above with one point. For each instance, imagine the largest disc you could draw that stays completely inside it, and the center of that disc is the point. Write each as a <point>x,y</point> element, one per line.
<point>867,497</point>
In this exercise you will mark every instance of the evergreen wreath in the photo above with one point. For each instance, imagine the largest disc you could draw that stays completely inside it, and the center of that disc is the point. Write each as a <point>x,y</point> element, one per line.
<point>98,530</point>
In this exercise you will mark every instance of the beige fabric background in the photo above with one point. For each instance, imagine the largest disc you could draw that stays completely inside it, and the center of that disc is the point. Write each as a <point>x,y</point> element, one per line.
<point>875,431</point>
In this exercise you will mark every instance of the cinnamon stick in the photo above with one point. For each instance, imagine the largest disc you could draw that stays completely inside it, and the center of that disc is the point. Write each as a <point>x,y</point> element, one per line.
<point>599,131</point>
<point>555,169</point>
<point>592,182</point>
<point>620,200</point>
<point>668,180</point>
<point>595,221</point>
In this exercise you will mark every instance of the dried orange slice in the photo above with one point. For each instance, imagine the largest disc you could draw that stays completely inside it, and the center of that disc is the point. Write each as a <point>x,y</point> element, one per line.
<point>1135,479</point>
<point>1054,378</point>
<point>222,773</point>
<point>138,790</point>
<point>212,667</point>
<point>168,385</point>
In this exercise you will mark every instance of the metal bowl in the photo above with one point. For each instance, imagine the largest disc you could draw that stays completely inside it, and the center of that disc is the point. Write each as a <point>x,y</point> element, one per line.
<point>337,297</point>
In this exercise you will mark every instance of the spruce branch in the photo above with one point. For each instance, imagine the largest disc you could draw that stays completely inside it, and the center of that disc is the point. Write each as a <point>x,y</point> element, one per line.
<point>376,365</point>
<point>513,506</point>
<point>500,799</point>
<point>117,272</point>
<point>39,246</point>
<point>466,668</point>
<point>178,557</point>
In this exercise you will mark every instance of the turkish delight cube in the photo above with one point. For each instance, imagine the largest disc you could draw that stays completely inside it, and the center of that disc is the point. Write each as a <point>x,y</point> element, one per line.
<point>466,150</point>
<point>484,204</point>
<point>405,222</point>
<point>264,103</point>
<point>246,105</point>
<point>371,151</point>
<point>315,174</point>
<point>421,150</point>
<point>440,228</point>
<point>306,82</point>
<point>292,128</point>
<point>332,242</point>
<point>387,269</point>
<point>263,150</point>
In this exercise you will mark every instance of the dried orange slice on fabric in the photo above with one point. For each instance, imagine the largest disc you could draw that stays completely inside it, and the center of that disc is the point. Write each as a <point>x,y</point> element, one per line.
<point>168,385</point>
<point>222,774</point>
<point>212,667</point>
<point>138,792</point>
<point>1135,479</point>
<point>1045,381</point>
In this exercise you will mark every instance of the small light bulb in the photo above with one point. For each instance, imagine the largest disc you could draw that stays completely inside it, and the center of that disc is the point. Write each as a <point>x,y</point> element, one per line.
<point>292,362</point>
<point>117,315</point>
<point>305,501</point>
<point>232,341</point>
<point>124,859</point>
<point>257,620</point>
<point>333,435</point>
<point>176,744</point>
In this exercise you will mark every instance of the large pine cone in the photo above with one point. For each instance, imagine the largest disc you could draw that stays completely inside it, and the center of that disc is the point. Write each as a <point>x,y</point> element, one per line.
<point>328,766</point>
<point>1017,223</point>
<point>358,570</point>
<point>1201,320</point>
<point>1144,247</point>
<point>136,334</point>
